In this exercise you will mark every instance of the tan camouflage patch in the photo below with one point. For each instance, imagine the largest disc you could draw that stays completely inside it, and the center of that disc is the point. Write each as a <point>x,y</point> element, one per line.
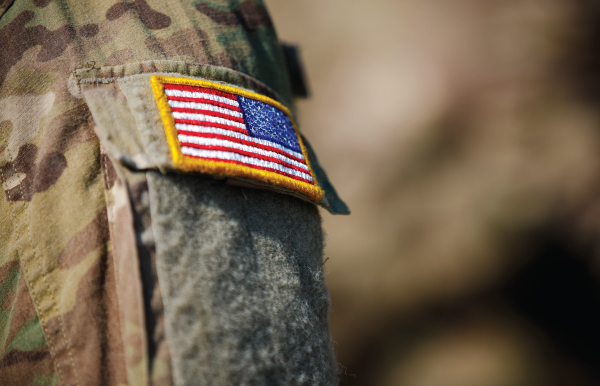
<point>23,112</point>
<point>187,45</point>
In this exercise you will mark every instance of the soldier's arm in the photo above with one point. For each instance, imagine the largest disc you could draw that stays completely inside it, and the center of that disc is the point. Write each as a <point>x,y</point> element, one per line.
<point>150,236</point>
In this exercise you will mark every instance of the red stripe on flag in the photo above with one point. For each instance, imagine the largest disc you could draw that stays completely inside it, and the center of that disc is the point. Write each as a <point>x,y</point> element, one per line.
<point>241,141</point>
<point>211,124</point>
<point>256,167</point>
<point>207,112</point>
<point>183,87</point>
<point>205,101</point>
<point>246,153</point>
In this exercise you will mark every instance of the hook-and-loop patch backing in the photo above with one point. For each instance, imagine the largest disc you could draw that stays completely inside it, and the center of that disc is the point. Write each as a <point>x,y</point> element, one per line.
<point>223,130</point>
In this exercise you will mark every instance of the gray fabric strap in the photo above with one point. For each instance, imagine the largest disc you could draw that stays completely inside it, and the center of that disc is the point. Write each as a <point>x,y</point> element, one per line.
<point>243,287</point>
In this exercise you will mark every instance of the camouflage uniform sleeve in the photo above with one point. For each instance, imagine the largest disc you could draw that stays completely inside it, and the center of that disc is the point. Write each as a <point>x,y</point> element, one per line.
<point>114,271</point>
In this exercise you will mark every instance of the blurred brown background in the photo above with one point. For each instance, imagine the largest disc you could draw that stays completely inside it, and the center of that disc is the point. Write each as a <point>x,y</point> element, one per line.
<point>465,137</point>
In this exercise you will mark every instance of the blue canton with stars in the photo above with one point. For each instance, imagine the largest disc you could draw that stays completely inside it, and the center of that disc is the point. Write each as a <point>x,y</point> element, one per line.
<point>267,122</point>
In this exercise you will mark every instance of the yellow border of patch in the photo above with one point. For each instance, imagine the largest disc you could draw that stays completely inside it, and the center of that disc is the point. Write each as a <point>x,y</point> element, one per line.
<point>314,192</point>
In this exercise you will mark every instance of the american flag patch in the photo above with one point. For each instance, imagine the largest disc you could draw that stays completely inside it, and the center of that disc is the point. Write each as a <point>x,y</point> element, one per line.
<point>223,130</point>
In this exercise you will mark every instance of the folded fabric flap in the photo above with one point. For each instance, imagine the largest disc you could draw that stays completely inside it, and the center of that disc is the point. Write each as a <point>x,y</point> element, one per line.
<point>115,125</point>
<point>216,122</point>
<point>331,201</point>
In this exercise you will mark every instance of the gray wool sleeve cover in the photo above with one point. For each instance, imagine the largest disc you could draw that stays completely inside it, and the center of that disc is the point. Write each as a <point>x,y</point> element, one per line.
<point>241,273</point>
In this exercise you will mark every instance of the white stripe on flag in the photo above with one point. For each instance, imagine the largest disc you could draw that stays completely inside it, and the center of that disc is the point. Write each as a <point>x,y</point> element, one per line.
<point>239,146</point>
<point>201,95</point>
<point>214,130</point>
<point>208,118</point>
<point>225,155</point>
<point>204,106</point>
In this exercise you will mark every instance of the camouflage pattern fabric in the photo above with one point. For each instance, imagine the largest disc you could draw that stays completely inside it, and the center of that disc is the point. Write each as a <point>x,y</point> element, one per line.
<point>80,302</point>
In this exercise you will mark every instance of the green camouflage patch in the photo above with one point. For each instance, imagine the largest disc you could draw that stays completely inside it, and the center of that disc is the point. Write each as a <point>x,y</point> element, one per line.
<point>29,337</point>
<point>50,380</point>
<point>9,280</point>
